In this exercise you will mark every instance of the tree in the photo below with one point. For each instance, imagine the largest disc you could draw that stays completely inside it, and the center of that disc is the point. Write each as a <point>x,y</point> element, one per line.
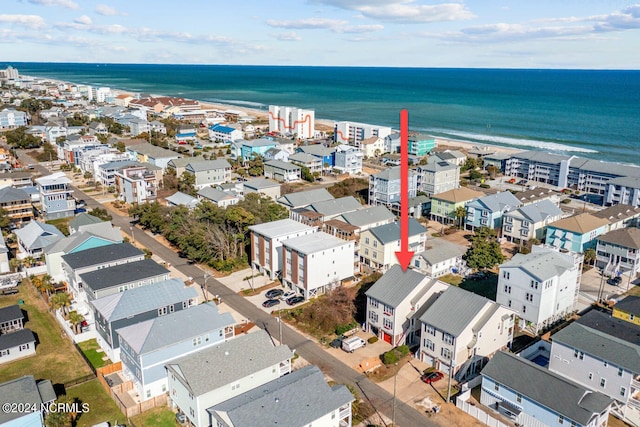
<point>460,214</point>
<point>5,221</point>
<point>256,165</point>
<point>306,174</point>
<point>19,138</point>
<point>484,252</point>
<point>58,419</point>
<point>589,256</point>
<point>60,300</point>
<point>492,170</point>
<point>121,147</point>
<point>101,213</point>
<point>186,184</point>
<point>76,320</point>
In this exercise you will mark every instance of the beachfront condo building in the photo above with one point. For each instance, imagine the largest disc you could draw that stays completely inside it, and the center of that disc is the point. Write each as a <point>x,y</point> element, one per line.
<point>292,121</point>
<point>353,133</point>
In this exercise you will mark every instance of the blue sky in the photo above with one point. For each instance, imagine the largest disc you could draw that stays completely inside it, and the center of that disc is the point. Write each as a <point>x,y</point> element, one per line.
<point>411,33</point>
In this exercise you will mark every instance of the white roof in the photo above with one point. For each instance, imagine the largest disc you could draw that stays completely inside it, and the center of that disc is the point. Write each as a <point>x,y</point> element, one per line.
<point>53,179</point>
<point>283,227</point>
<point>315,242</point>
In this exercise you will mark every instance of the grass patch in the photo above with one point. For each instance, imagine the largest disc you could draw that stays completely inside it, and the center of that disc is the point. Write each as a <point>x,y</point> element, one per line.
<point>94,353</point>
<point>487,287</point>
<point>61,224</point>
<point>156,417</point>
<point>56,358</point>
<point>451,279</point>
<point>101,406</point>
<point>257,291</point>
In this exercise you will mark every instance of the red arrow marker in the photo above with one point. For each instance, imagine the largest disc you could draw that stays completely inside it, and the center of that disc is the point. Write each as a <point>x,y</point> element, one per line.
<point>404,255</point>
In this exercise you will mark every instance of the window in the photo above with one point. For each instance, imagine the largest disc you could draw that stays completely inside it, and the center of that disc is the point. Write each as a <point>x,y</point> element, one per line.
<point>619,372</point>
<point>524,308</point>
<point>366,240</point>
<point>429,344</point>
<point>623,391</point>
<point>185,304</point>
<point>507,289</point>
<point>506,274</point>
<point>197,341</point>
<point>496,386</point>
<point>590,376</point>
<point>373,303</point>
<point>632,317</point>
<point>375,243</point>
<point>23,347</point>
<point>192,412</point>
<point>387,323</point>
<point>606,363</point>
<point>603,382</point>
<point>560,419</point>
<point>448,339</point>
<point>162,311</point>
<point>519,398</point>
<point>375,254</point>
<point>388,310</point>
<point>581,356</point>
<point>373,316</point>
<point>446,353</point>
<point>366,251</point>
<point>148,393</point>
<point>529,297</point>
<point>430,330</point>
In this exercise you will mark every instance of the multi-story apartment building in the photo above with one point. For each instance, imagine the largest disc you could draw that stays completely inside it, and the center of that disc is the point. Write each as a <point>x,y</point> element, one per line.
<point>316,263</point>
<point>529,221</point>
<point>209,172</point>
<point>348,159</point>
<point>602,353</point>
<point>138,183</point>
<point>384,187</point>
<point>224,133</point>
<point>420,144</point>
<point>541,287</point>
<point>438,177</point>
<point>11,118</point>
<point>17,204</point>
<point>378,245</point>
<point>292,121</point>
<point>353,133</point>
<point>623,190</point>
<point>618,251</point>
<point>56,200</point>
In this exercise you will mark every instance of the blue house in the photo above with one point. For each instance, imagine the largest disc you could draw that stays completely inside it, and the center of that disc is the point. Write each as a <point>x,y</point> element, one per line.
<point>135,306</point>
<point>255,146</point>
<point>327,155</point>
<point>487,211</point>
<point>27,391</point>
<point>420,144</point>
<point>576,233</point>
<point>146,347</point>
<point>531,395</point>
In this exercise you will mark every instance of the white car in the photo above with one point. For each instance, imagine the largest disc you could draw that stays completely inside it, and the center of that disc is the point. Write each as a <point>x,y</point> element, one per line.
<point>288,294</point>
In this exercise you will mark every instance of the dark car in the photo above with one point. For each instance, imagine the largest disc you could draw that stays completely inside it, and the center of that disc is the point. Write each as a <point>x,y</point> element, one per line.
<point>270,303</point>
<point>615,281</point>
<point>181,418</point>
<point>336,343</point>
<point>432,377</point>
<point>295,300</point>
<point>274,293</point>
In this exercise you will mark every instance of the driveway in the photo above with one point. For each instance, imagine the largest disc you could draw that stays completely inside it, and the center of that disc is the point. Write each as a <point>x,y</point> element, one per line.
<point>592,281</point>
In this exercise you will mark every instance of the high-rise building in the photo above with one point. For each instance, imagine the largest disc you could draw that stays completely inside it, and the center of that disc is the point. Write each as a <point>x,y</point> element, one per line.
<point>292,120</point>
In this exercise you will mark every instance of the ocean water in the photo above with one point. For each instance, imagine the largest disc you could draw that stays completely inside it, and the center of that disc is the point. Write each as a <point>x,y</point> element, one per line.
<point>587,113</point>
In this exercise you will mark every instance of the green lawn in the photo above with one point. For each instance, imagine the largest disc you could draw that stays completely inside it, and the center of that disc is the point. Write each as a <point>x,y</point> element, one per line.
<point>156,417</point>
<point>94,353</point>
<point>56,358</point>
<point>61,224</point>
<point>101,406</point>
<point>487,288</point>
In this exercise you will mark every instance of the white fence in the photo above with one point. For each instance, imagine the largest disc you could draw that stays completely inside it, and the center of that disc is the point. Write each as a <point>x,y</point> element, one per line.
<point>77,338</point>
<point>36,271</point>
<point>476,412</point>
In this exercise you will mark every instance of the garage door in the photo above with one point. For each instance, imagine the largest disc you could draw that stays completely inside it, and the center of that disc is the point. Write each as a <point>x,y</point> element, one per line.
<point>386,337</point>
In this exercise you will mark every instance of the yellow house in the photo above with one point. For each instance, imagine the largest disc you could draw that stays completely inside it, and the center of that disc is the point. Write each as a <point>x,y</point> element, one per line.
<point>628,309</point>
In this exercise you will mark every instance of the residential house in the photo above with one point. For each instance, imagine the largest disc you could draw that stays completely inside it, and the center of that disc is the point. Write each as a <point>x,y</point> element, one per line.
<point>27,391</point>
<point>16,345</point>
<point>378,245</point>
<point>348,160</point>
<point>119,278</point>
<point>352,132</point>
<point>34,237</point>
<point>56,200</point>
<point>440,257</point>
<point>11,319</point>
<point>530,221</point>
<point>266,243</point>
<point>620,216</point>
<point>209,172</point>
<point>220,133</point>
<point>392,143</point>
<point>186,134</point>
<point>445,205</point>
<point>158,127</point>
<point>395,303</point>
<point>254,147</point>
<point>531,395</point>
<point>83,220</point>
<point>602,353</point>
<point>372,147</point>
<point>178,166</point>
<point>576,233</point>
<point>462,330</point>
<point>276,154</point>
<point>316,263</point>
<point>138,183</point>
<point>487,211</point>
<point>278,402</point>
<point>438,177</point>
<point>86,237</point>
<point>541,287</point>
<point>325,154</point>
<point>137,305</point>
<point>11,118</point>
<point>98,128</point>
<point>538,194</point>
<point>146,347</point>
<point>262,186</point>
<point>369,217</point>
<point>454,157</point>
<point>282,171</point>
<point>16,179</point>
<point>384,187</point>
<point>330,209</point>
<point>305,160</point>
<point>221,372</point>
<point>77,263</point>
<point>148,153</point>
<point>420,144</point>
<point>181,199</point>
<point>74,147</point>
<point>623,190</point>
<point>628,309</point>
<point>219,198</point>
<point>17,204</point>
<point>104,169</point>
<point>618,251</point>
<point>302,199</point>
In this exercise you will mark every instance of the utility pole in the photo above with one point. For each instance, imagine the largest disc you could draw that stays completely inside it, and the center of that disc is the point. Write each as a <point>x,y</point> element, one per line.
<point>451,365</point>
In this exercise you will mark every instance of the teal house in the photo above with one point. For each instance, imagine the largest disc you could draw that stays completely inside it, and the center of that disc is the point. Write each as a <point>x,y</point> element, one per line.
<point>420,144</point>
<point>576,233</point>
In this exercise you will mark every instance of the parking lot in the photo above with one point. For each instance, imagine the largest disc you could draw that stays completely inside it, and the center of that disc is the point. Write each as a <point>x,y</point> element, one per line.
<point>591,283</point>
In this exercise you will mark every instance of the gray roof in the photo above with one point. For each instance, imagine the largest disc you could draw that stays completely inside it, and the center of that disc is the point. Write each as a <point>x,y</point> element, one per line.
<point>370,215</point>
<point>318,150</point>
<point>294,400</point>
<point>454,310</point>
<point>279,164</point>
<point>182,199</point>
<point>392,173</point>
<point>302,199</point>
<point>605,168</point>
<point>314,242</point>
<point>283,227</point>
<point>143,299</point>
<point>336,206</point>
<point>37,235</point>
<point>83,219</point>
<point>536,212</point>
<point>217,366</point>
<point>439,250</point>
<point>24,390</point>
<point>262,142</point>
<point>260,183</point>
<point>102,230</point>
<point>541,156</point>
<point>184,161</point>
<point>542,265</point>
<point>16,338</point>
<point>629,304</point>
<point>619,212</point>
<point>208,165</point>
<point>101,255</point>
<point>304,158</point>
<point>626,237</point>
<point>436,165</point>
<point>11,312</point>
<point>497,202</point>
<point>123,273</point>
<point>626,181</point>
<point>153,151</point>
<point>547,388</point>
<point>391,232</point>
<point>214,194</point>
<point>396,285</point>
<point>605,337</point>
<point>10,194</point>
<point>183,325</point>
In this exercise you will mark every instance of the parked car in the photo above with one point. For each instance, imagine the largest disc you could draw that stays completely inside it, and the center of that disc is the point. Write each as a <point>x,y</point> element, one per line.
<point>289,294</point>
<point>80,210</point>
<point>336,343</point>
<point>615,281</point>
<point>10,291</point>
<point>181,418</point>
<point>270,303</point>
<point>295,300</point>
<point>432,377</point>
<point>512,181</point>
<point>352,344</point>
<point>274,293</point>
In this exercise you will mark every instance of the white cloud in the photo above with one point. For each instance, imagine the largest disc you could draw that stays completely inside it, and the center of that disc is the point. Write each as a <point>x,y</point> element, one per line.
<point>290,36</point>
<point>355,29</point>
<point>84,20</point>
<point>62,3</point>
<point>103,9</point>
<point>406,11</point>
<point>29,21</point>
<point>307,24</point>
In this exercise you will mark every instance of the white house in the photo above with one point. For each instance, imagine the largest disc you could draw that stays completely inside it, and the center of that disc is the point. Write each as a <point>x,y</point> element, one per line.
<point>440,257</point>
<point>541,287</point>
<point>222,133</point>
<point>529,221</point>
<point>372,146</point>
<point>55,196</point>
<point>378,245</point>
<point>348,159</point>
<point>209,172</point>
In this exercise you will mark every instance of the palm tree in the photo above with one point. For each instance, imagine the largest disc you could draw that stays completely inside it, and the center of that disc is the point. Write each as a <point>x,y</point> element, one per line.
<point>36,282</point>
<point>589,256</point>
<point>47,285</point>
<point>460,214</point>
<point>76,320</point>
<point>15,264</point>
<point>62,301</point>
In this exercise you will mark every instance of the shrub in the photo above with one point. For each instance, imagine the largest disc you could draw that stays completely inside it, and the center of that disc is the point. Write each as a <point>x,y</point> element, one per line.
<point>403,350</point>
<point>372,340</point>
<point>341,329</point>
<point>565,201</point>
<point>390,357</point>
<point>485,186</point>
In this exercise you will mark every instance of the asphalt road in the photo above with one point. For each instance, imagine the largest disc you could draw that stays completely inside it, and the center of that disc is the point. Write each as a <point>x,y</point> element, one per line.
<point>379,398</point>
